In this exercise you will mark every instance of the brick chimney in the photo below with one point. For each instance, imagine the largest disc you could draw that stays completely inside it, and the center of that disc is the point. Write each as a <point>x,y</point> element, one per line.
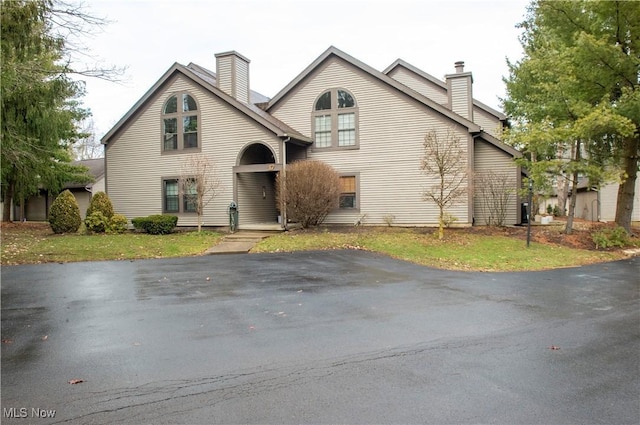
<point>460,91</point>
<point>232,75</point>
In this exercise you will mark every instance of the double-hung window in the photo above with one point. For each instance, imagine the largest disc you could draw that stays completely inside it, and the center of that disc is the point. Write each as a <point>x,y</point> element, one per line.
<point>180,118</point>
<point>190,195</point>
<point>171,196</point>
<point>335,120</point>
<point>179,195</point>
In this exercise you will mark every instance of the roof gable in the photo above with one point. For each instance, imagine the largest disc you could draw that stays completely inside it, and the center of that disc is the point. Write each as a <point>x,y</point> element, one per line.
<point>206,79</point>
<point>399,63</point>
<point>430,78</point>
<point>335,52</point>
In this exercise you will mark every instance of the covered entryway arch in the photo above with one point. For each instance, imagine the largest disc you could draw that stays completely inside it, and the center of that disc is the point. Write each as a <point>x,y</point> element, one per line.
<point>254,185</point>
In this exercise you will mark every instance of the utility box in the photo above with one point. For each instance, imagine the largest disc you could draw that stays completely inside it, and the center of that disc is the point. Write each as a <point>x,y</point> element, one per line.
<point>233,216</point>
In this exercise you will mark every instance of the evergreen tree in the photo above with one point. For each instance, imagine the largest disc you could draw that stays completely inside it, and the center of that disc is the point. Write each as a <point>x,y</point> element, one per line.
<point>40,106</point>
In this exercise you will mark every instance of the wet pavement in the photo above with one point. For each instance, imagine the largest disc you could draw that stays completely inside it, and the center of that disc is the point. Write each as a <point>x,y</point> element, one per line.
<point>318,337</point>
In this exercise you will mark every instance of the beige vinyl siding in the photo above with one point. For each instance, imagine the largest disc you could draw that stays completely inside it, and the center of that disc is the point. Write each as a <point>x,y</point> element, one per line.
<point>224,68</point>
<point>98,186</point>
<point>242,80</point>
<point>233,76</point>
<point>136,165</point>
<point>35,208</point>
<point>488,122</point>
<point>586,205</point>
<point>609,200</point>
<point>83,198</point>
<point>461,97</point>
<point>250,186</point>
<point>488,158</point>
<point>420,84</point>
<point>391,132</point>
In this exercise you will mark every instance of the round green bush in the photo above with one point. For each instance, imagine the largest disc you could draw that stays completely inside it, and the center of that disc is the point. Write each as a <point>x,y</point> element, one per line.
<point>64,214</point>
<point>100,202</point>
<point>117,224</point>
<point>96,222</point>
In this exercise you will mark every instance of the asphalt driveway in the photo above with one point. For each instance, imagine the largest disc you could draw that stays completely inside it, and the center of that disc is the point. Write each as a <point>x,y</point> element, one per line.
<point>318,337</point>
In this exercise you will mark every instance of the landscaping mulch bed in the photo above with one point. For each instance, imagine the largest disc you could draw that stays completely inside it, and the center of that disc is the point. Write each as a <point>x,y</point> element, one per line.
<point>580,237</point>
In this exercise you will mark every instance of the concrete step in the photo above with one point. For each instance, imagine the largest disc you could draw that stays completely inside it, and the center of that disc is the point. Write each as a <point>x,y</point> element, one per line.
<point>239,243</point>
<point>245,236</point>
<point>227,247</point>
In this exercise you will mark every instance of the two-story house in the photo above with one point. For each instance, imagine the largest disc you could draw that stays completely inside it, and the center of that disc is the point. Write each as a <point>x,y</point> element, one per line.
<point>367,124</point>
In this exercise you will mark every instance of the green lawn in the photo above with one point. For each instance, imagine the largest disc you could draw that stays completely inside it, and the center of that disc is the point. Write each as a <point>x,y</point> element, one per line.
<point>459,250</point>
<point>462,249</point>
<point>38,245</point>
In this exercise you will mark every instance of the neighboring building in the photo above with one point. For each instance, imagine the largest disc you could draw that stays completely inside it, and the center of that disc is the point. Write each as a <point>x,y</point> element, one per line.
<point>597,204</point>
<point>368,125</point>
<point>609,199</point>
<point>36,207</point>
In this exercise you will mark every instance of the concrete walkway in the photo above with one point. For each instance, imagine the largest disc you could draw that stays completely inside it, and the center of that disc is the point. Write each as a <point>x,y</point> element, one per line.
<point>239,243</point>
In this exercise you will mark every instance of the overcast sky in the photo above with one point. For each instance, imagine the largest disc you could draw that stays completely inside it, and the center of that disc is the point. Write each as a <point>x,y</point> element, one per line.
<point>282,37</point>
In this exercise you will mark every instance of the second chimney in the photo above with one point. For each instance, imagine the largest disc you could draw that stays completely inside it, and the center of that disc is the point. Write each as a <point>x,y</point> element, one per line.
<point>232,75</point>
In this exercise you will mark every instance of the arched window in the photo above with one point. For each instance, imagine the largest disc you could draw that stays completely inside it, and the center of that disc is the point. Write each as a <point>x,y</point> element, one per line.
<point>180,123</point>
<point>335,120</point>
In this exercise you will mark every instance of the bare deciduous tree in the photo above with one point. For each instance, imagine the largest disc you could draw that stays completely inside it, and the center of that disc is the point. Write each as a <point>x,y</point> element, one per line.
<point>311,191</point>
<point>494,191</point>
<point>444,161</point>
<point>200,183</point>
<point>88,147</point>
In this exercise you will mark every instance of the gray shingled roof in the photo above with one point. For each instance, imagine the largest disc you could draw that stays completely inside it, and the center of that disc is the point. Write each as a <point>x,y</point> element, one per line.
<point>210,77</point>
<point>96,170</point>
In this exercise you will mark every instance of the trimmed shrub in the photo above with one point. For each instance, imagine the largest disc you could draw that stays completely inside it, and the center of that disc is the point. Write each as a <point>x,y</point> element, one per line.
<point>100,202</point>
<point>610,237</point>
<point>96,222</point>
<point>155,224</point>
<point>64,215</point>
<point>311,191</point>
<point>118,224</point>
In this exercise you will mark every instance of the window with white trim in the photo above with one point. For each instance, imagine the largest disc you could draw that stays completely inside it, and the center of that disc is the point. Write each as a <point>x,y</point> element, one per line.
<point>335,120</point>
<point>180,116</point>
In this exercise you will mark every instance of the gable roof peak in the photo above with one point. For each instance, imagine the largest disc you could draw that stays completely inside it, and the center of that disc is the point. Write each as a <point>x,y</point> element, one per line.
<point>332,50</point>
